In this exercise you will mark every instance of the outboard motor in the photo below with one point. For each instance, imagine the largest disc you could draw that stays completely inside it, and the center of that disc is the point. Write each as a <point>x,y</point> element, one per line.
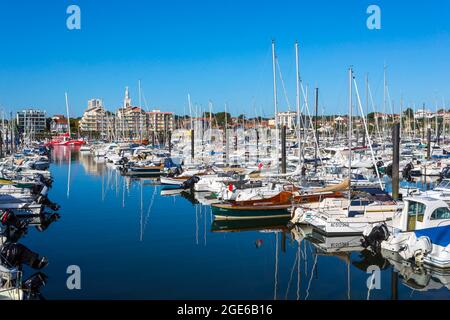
<point>46,202</point>
<point>406,172</point>
<point>389,170</point>
<point>373,236</point>
<point>34,284</point>
<point>8,218</point>
<point>16,254</point>
<point>46,181</point>
<point>47,220</point>
<point>188,184</point>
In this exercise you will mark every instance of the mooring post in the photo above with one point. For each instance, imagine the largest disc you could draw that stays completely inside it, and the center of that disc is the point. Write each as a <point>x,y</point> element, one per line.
<point>257,145</point>
<point>6,142</point>
<point>429,144</point>
<point>394,285</point>
<point>12,141</point>
<point>1,144</point>
<point>169,138</point>
<point>395,161</point>
<point>439,135</point>
<point>364,137</point>
<point>192,144</point>
<point>283,149</point>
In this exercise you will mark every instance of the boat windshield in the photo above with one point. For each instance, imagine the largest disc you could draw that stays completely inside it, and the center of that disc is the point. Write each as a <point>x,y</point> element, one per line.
<point>441,214</point>
<point>445,184</point>
<point>416,210</point>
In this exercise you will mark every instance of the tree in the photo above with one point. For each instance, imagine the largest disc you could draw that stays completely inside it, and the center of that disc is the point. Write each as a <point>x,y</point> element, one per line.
<point>220,118</point>
<point>409,113</point>
<point>74,124</point>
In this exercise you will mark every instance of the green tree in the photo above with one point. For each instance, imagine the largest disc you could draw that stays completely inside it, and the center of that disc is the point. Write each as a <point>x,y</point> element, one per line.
<point>409,113</point>
<point>220,118</point>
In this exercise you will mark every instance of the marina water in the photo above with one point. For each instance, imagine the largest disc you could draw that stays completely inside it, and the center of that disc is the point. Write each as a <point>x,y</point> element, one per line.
<point>131,242</point>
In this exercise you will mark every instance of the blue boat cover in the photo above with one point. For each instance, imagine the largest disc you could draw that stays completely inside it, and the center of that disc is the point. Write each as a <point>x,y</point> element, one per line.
<point>439,235</point>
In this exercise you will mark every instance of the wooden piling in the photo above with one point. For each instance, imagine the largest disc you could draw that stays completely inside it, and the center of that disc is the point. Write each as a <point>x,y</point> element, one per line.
<point>396,161</point>
<point>283,149</point>
<point>192,144</point>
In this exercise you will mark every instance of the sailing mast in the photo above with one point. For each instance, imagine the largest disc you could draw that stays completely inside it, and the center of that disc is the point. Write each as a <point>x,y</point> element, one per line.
<point>68,117</point>
<point>297,73</point>
<point>140,111</point>
<point>350,93</point>
<point>275,101</point>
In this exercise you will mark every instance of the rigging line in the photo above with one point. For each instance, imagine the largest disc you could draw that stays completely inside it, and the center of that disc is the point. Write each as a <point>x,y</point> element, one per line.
<point>319,153</point>
<point>376,118</point>
<point>283,86</point>
<point>150,207</point>
<point>290,279</point>
<point>367,131</point>
<point>310,278</point>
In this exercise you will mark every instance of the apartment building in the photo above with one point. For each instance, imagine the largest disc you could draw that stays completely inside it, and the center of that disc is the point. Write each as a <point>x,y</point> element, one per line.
<point>31,120</point>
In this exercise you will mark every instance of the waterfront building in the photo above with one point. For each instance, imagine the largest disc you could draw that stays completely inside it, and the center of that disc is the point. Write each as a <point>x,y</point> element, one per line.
<point>31,120</point>
<point>131,122</point>
<point>96,119</point>
<point>158,121</point>
<point>288,119</point>
<point>59,124</point>
<point>423,113</point>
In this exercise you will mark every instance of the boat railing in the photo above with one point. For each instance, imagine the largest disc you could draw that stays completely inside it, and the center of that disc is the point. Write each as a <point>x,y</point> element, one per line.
<point>10,280</point>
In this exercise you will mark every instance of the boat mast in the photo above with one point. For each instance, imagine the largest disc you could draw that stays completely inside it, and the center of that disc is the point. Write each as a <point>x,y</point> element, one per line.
<point>140,111</point>
<point>350,93</point>
<point>68,117</point>
<point>297,73</point>
<point>275,101</point>
<point>384,99</point>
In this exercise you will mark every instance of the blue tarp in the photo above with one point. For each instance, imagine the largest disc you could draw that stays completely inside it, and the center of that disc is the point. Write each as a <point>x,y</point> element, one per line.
<point>439,235</point>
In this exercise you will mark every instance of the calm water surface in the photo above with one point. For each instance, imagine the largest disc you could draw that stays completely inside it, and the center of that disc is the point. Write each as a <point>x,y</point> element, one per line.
<point>132,243</point>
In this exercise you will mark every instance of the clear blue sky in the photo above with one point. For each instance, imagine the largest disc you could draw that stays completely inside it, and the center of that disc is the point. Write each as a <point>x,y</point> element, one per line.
<point>218,50</point>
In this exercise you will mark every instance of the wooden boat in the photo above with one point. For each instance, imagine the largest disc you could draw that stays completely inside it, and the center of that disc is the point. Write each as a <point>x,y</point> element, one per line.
<point>144,171</point>
<point>275,206</point>
<point>277,224</point>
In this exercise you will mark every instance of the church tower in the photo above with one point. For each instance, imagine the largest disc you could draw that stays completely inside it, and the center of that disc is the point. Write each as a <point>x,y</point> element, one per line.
<point>127,99</point>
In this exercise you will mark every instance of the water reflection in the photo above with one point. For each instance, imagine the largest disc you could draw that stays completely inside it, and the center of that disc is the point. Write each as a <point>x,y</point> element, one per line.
<point>169,241</point>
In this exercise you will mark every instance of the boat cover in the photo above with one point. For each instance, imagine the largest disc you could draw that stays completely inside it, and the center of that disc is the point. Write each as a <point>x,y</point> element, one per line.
<point>438,236</point>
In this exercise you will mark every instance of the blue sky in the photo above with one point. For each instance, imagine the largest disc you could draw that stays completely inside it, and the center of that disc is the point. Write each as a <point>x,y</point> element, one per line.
<point>218,50</point>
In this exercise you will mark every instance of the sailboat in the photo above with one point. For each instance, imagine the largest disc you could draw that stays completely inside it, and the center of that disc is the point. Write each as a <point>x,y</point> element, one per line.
<point>64,139</point>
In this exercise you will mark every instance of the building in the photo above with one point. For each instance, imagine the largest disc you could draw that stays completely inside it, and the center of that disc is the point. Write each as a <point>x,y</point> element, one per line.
<point>59,124</point>
<point>134,122</point>
<point>288,119</point>
<point>31,120</point>
<point>96,118</point>
<point>158,121</point>
<point>423,113</point>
